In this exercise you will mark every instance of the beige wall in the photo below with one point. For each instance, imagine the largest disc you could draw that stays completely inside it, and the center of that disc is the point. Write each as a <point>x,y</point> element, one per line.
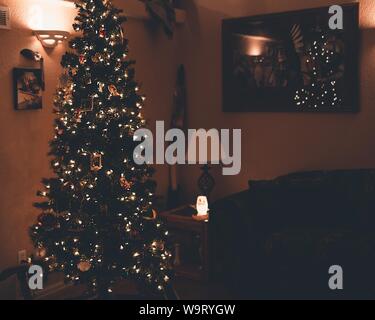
<point>273,143</point>
<point>24,135</point>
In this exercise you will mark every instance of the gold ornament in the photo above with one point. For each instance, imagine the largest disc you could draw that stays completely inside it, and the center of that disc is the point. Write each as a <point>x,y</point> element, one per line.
<point>113,90</point>
<point>101,86</point>
<point>84,266</point>
<point>83,183</point>
<point>96,58</point>
<point>74,71</point>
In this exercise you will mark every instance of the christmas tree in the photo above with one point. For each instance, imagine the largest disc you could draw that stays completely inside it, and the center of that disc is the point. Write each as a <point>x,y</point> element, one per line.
<point>322,68</point>
<point>97,224</point>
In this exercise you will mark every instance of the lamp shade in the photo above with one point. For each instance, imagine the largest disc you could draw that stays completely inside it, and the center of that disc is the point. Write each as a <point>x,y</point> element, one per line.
<point>51,38</point>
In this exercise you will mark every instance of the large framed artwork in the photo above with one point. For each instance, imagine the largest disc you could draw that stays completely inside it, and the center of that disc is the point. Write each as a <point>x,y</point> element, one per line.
<point>291,62</point>
<point>28,86</point>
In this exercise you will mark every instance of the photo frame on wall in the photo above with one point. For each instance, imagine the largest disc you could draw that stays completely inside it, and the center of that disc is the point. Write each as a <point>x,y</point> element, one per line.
<point>291,62</point>
<point>28,88</point>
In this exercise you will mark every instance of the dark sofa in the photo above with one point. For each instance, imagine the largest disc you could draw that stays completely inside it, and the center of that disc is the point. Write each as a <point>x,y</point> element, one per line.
<point>278,239</point>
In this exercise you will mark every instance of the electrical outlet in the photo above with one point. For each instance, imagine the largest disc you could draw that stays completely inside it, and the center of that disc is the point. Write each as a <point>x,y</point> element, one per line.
<point>22,256</point>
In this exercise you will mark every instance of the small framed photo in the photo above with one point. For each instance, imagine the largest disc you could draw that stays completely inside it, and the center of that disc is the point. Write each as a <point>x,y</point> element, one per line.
<point>27,88</point>
<point>96,162</point>
<point>87,105</point>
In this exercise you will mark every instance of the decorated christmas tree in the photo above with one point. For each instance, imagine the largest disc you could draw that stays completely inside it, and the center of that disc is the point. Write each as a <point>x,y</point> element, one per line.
<point>97,223</point>
<point>322,67</point>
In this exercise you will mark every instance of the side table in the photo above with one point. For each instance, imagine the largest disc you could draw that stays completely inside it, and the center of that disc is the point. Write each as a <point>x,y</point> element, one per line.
<point>190,239</point>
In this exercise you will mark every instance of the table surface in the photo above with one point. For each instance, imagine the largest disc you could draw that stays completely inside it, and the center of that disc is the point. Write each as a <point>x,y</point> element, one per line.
<point>183,213</point>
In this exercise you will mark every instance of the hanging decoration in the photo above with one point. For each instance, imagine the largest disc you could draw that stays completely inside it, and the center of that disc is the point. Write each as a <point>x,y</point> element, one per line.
<point>125,183</point>
<point>82,59</point>
<point>96,162</point>
<point>113,90</point>
<point>84,265</point>
<point>102,32</point>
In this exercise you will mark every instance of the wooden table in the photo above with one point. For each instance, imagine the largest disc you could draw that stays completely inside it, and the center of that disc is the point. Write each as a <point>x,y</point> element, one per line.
<point>190,239</point>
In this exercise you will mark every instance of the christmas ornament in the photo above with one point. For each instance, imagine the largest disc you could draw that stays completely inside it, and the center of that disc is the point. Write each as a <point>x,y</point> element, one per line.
<point>119,37</point>
<point>84,266</point>
<point>113,90</point>
<point>101,86</point>
<point>157,245</point>
<point>102,32</point>
<point>41,252</point>
<point>87,78</point>
<point>87,105</point>
<point>125,183</point>
<point>60,132</point>
<point>96,58</point>
<point>78,116</point>
<point>83,183</point>
<point>82,59</point>
<point>74,71</point>
<point>153,217</point>
<point>96,162</point>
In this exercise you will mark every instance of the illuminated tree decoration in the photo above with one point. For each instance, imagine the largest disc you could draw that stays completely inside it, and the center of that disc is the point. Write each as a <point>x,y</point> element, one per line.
<point>96,162</point>
<point>95,224</point>
<point>322,65</point>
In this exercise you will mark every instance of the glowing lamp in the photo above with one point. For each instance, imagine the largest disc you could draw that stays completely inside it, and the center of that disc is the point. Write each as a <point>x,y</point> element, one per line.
<point>202,209</point>
<point>51,38</point>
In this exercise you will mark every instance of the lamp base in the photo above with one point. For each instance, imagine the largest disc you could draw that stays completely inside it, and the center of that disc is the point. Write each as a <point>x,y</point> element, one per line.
<point>200,218</point>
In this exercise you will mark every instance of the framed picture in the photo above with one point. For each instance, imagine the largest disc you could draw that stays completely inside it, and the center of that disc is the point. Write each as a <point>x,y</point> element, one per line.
<point>27,88</point>
<point>87,105</point>
<point>291,62</point>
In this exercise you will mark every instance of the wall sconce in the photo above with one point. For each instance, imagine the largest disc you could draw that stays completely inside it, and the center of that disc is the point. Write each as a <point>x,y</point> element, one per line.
<point>51,38</point>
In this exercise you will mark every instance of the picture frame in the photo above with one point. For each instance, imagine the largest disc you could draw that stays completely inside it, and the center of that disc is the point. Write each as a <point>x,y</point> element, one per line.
<point>273,63</point>
<point>87,105</point>
<point>28,88</point>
